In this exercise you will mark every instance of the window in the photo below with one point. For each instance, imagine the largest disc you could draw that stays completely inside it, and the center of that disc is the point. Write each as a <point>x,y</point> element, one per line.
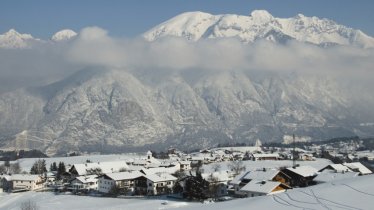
<point>150,184</point>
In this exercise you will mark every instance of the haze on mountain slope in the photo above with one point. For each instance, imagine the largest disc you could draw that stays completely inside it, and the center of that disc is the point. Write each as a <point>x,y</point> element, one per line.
<point>194,81</point>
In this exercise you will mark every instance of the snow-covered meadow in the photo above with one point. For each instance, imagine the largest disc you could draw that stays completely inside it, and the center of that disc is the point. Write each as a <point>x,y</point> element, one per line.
<point>350,194</point>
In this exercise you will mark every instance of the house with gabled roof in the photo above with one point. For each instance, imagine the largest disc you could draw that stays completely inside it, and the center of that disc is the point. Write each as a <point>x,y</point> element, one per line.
<point>26,182</point>
<point>358,167</point>
<point>301,176</point>
<point>262,187</point>
<point>84,183</point>
<point>337,168</point>
<point>123,180</point>
<point>265,175</point>
<point>154,184</point>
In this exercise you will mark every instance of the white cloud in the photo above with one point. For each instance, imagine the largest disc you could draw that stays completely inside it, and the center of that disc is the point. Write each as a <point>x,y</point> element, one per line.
<point>94,47</point>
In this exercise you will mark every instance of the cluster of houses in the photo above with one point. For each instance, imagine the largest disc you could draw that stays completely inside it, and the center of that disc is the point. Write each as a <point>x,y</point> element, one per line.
<point>151,176</point>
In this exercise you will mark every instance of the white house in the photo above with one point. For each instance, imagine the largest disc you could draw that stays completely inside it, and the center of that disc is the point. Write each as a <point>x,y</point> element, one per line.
<point>260,188</point>
<point>89,182</point>
<point>124,180</point>
<point>155,184</point>
<point>185,165</point>
<point>27,182</point>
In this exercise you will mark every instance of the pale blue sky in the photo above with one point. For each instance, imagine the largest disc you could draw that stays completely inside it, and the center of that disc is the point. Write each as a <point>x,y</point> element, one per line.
<point>128,18</point>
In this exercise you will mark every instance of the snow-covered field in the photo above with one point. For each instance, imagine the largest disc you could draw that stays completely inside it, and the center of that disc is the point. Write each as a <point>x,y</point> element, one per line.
<point>351,194</point>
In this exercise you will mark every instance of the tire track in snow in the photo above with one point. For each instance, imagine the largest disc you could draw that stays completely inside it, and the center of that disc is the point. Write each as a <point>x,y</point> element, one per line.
<point>357,190</point>
<point>317,199</point>
<point>292,199</point>
<point>290,204</point>
<point>338,205</point>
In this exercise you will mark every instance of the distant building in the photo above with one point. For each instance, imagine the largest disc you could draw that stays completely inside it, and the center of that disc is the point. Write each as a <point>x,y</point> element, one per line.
<point>26,182</point>
<point>260,187</point>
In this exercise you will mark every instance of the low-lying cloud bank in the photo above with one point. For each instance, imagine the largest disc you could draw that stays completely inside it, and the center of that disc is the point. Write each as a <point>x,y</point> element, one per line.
<point>48,62</point>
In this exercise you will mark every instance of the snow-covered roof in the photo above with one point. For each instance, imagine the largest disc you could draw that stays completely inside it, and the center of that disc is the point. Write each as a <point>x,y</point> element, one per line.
<point>261,174</point>
<point>260,186</point>
<point>127,175</point>
<point>262,155</point>
<point>304,171</point>
<point>87,179</point>
<point>220,176</point>
<point>327,176</point>
<point>169,170</point>
<point>357,166</point>
<point>338,167</point>
<point>24,177</point>
<point>106,167</point>
<point>185,162</point>
<point>6,177</point>
<point>238,178</point>
<point>161,177</point>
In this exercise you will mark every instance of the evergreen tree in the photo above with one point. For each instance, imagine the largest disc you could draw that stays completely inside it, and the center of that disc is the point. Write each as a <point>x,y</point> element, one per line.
<point>53,167</point>
<point>61,169</point>
<point>39,167</point>
<point>196,187</point>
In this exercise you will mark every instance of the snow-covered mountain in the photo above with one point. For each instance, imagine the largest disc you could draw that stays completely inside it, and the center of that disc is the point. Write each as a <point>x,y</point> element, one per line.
<point>260,24</point>
<point>64,35</point>
<point>117,110</point>
<point>13,39</point>
<point>108,109</point>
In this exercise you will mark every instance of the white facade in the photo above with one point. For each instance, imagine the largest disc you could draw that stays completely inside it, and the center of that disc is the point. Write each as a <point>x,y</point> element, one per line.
<point>105,185</point>
<point>159,184</point>
<point>28,182</point>
<point>85,183</point>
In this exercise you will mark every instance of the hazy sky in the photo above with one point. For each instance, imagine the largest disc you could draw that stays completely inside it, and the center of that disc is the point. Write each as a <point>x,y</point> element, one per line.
<point>128,18</point>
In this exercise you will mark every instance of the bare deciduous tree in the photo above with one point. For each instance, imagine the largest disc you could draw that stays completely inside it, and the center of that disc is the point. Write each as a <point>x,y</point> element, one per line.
<point>237,167</point>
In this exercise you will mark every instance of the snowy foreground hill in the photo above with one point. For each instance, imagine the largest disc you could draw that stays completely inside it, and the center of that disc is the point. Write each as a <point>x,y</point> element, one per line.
<point>116,108</point>
<point>352,194</point>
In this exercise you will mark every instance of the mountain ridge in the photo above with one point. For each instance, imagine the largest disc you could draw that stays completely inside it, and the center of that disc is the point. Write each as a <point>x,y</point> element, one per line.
<point>194,26</point>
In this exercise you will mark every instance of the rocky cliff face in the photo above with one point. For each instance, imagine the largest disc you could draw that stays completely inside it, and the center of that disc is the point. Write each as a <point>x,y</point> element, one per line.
<point>118,110</point>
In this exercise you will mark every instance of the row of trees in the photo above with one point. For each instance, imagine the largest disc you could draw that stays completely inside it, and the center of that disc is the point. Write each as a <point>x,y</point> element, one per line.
<point>40,167</point>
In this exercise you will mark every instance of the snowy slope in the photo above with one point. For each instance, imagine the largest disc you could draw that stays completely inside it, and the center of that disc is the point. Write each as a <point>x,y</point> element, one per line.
<point>260,24</point>
<point>351,194</point>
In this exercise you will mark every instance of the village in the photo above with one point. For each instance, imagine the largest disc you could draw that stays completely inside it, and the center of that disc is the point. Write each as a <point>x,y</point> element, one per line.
<point>215,174</point>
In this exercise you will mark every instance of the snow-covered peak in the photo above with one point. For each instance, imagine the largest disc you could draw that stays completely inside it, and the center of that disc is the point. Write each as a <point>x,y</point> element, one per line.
<point>63,35</point>
<point>260,24</point>
<point>14,39</point>
<point>190,25</point>
<point>261,16</point>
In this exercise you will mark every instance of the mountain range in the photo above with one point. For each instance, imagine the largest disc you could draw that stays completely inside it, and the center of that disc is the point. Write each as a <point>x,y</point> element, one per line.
<point>114,110</point>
